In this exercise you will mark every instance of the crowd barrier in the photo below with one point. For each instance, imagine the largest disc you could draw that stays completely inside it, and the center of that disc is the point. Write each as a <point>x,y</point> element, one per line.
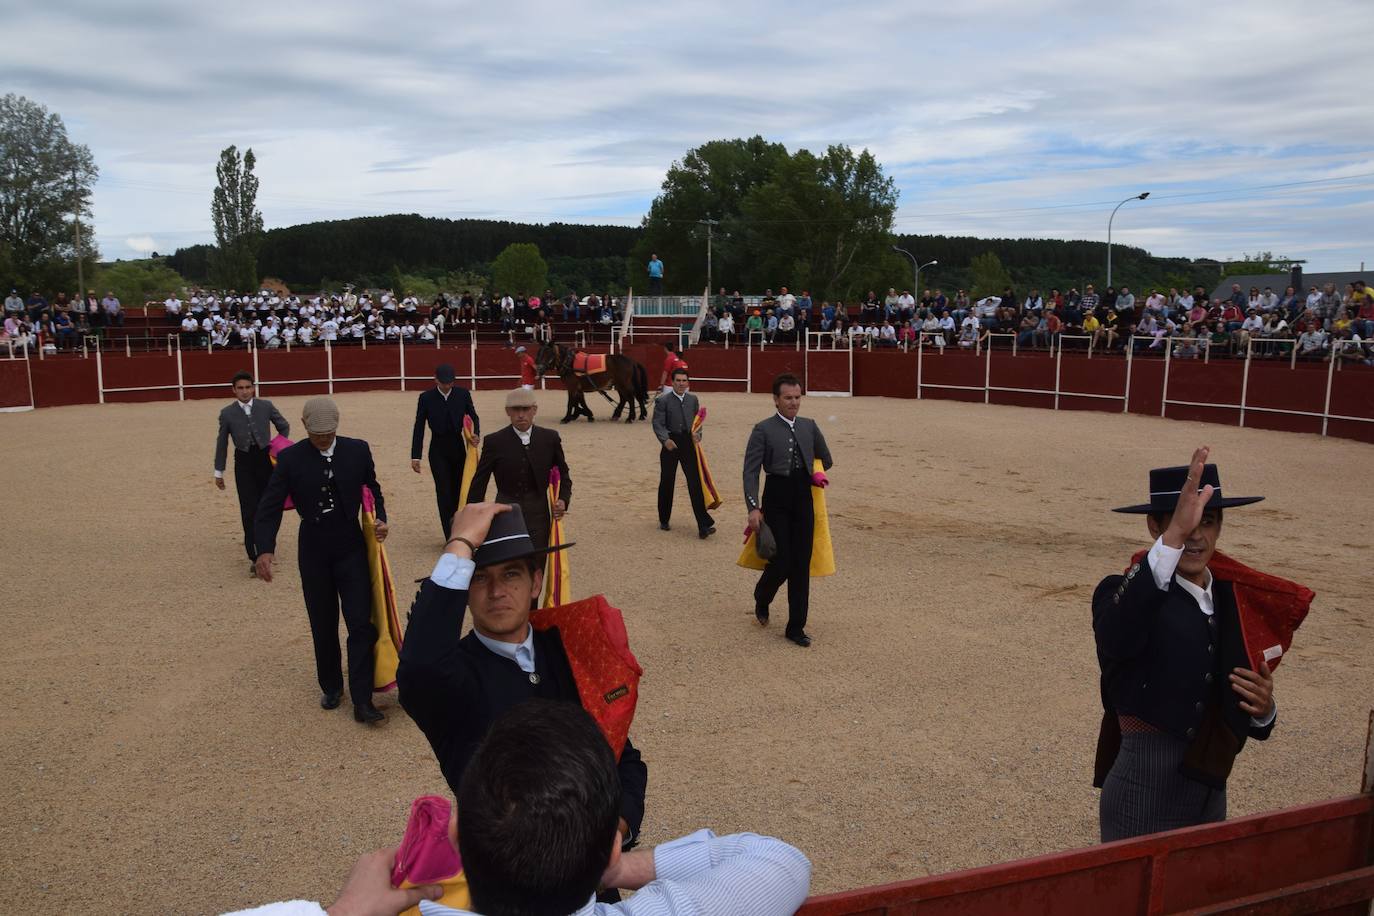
<point>1326,398</point>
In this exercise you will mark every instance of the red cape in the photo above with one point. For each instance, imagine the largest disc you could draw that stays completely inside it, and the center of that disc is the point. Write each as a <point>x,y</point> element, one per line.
<point>1270,608</point>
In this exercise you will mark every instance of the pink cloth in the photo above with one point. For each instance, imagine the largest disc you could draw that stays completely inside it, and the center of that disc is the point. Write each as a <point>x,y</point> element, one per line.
<point>426,855</point>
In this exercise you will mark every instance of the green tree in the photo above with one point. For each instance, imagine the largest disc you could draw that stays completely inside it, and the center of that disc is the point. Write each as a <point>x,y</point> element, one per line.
<point>1261,262</point>
<point>806,221</point>
<point>137,282</point>
<point>988,276</point>
<point>45,186</point>
<point>520,269</point>
<point>238,222</point>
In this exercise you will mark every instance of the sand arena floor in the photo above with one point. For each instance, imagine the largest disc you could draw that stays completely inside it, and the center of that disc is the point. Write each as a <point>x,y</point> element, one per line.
<point>163,750</point>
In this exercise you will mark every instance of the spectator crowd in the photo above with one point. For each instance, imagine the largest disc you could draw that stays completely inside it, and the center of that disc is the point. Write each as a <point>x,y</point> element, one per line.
<point>1192,324</point>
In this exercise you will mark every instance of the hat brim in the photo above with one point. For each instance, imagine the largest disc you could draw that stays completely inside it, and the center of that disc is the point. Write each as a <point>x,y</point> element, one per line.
<point>538,552</point>
<point>1224,502</point>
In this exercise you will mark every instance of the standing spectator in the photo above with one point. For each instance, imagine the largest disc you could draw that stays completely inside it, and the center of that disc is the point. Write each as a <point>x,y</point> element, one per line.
<point>655,276</point>
<point>443,409</point>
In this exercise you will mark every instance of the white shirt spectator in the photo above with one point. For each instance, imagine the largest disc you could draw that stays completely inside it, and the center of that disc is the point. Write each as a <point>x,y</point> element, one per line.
<point>970,321</point>
<point>189,325</point>
<point>727,324</point>
<point>207,324</point>
<point>987,306</point>
<point>906,301</point>
<point>1252,323</point>
<point>393,332</point>
<point>786,301</point>
<point>172,306</point>
<point>329,329</point>
<point>428,331</point>
<point>407,331</point>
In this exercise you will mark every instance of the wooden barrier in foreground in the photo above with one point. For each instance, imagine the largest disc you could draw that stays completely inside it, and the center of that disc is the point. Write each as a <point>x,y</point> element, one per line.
<point>1310,859</point>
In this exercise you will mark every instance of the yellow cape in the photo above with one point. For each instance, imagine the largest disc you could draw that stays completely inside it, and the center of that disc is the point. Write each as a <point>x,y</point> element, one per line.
<point>557,578</point>
<point>386,650</point>
<point>822,552</point>
<point>708,483</point>
<point>469,463</point>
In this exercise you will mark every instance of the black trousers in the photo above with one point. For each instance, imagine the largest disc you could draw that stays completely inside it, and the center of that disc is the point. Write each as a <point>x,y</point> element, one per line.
<point>334,574</point>
<point>537,521</point>
<point>252,470</point>
<point>668,460</point>
<point>789,513</point>
<point>447,467</point>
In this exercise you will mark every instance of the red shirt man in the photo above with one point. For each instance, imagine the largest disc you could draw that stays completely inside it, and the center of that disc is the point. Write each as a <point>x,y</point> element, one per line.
<point>528,375</point>
<point>670,362</point>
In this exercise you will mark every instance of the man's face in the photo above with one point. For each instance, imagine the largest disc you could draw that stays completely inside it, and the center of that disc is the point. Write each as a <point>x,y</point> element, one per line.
<point>681,383</point>
<point>1198,546</point>
<point>788,401</point>
<point>243,390</point>
<point>499,598</point>
<point>522,418</point>
<point>321,441</point>
<point>445,387</point>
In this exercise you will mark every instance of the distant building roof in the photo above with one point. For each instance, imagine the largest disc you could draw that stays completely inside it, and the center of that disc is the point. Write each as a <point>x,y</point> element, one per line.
<point>1280,282</point>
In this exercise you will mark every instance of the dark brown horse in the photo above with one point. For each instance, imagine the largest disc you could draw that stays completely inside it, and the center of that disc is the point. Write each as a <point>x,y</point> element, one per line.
<point>620,372</point>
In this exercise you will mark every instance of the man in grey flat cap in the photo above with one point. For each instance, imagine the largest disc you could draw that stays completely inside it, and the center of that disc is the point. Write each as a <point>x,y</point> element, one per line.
<point>324,476</point>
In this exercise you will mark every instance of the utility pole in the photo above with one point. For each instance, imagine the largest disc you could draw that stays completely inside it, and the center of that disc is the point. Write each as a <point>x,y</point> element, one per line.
<point>710,225</point>
<point>76,227</point>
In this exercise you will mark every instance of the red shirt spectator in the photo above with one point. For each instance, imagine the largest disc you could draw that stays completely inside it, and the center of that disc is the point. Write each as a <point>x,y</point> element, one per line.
<point>528,376</point>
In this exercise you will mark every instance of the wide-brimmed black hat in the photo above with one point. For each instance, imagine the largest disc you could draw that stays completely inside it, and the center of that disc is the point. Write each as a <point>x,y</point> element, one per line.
<point>509,539</point>
<point>1167,483</point>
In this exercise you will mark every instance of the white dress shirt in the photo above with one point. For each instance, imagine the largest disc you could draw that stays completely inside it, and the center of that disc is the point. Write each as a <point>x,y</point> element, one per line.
<point>525,436</point>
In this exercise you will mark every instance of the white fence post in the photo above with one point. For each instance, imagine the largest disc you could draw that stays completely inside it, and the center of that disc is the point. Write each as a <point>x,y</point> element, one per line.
<point>1126,398</point>
<point>1058,362</point>
<point>1164,395</point>
<point>99,374</point>
<point>1245,380</point>
<point>1330,377</point>
<point>920,349</point>
<point>401,341</point>
<point>329,365</point>
<point>181,379</point>
<point>987,374</point>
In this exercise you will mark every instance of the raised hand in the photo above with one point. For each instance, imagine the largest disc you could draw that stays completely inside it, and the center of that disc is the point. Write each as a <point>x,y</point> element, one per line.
<point>1191,502</point>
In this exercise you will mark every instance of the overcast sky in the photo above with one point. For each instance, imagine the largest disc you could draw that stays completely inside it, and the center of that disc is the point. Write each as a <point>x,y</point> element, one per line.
<point>1251,123</point>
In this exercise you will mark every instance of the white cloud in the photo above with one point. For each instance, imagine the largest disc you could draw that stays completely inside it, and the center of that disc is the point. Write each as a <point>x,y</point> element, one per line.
<point>141,244</point>
<point>540,110</point>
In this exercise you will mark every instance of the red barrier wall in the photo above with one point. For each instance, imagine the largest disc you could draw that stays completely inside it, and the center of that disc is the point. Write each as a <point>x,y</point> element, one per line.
<point>1277,396</point>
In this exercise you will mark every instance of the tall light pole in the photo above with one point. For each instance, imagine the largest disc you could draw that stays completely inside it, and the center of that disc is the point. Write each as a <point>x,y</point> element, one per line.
<point>710,225</point>
<point>1109,231</point>
<point>915,293</point>
<point>916,265</point>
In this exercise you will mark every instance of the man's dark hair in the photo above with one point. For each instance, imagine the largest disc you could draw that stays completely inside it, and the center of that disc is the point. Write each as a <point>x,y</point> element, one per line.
<point>537,811</point>
<point>241,377</point>
<point>785,378</point>
<point>680,371</point>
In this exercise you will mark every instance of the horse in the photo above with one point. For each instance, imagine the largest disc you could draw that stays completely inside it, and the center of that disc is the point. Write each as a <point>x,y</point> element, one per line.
<point>581,372</point>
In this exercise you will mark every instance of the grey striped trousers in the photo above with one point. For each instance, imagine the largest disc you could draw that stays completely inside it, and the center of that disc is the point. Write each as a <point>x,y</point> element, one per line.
<point>1146,793</point>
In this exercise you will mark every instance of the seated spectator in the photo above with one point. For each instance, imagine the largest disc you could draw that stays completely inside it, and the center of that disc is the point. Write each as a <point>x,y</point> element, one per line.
<point>1186,348</point>
<point>710,327</point>
<point>1025,334</point>
<point>1220,340</point>
<point>986,310</point>
<point>725,328</point>
<point>827,316</point>
<point>1312,343</point>
<point>947,326</point>
<point>1053,327</point>
<point>1251,327</point>
<point>190,331</point>
<point>968,334</point>
<point>754,325</point>
<point>113,309</point>
<point>887,334</point>
<point>906,335</point>
<point>786,331</point>
<point>770,327</point>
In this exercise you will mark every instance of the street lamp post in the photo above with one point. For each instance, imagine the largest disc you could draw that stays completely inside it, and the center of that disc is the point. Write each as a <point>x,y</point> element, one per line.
<point>917,267</point>
<point>1109,230</point>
